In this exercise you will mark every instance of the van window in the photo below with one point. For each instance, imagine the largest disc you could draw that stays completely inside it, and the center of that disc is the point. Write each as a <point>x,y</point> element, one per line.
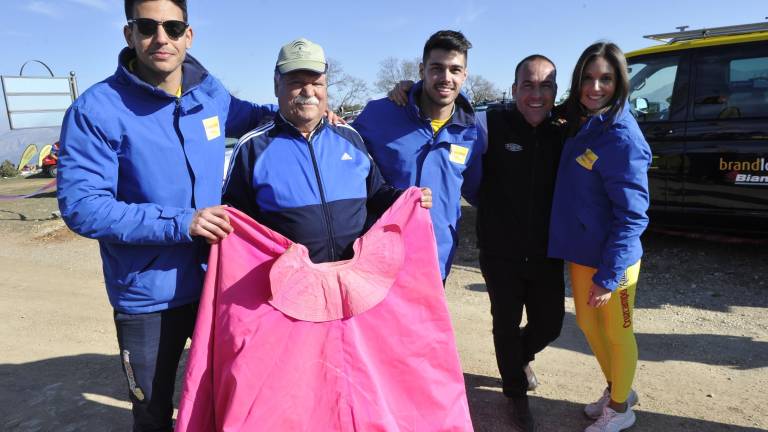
<point>652,83</point>
<point>732,85</point>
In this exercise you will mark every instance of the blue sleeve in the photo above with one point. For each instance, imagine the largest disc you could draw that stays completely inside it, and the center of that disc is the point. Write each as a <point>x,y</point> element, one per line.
<point>87,188</point>
<point>244,116</point>
<point>381,195</point>
<point>470,187</point>
<point>361,125</point>
<point>238,186</point>
<point>625,177</point>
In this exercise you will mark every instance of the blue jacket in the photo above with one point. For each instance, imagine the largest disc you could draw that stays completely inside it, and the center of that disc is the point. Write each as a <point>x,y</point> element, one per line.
<point>601,197</point>
<point>322,192</point>
<point>402,143</point>
<point>134,164</point>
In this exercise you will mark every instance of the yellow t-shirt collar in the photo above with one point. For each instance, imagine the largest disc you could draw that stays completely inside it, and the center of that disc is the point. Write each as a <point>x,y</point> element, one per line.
<point>437,124</point>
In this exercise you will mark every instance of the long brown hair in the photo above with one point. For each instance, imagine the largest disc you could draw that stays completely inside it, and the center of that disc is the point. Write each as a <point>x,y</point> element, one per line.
<point>613,55</point>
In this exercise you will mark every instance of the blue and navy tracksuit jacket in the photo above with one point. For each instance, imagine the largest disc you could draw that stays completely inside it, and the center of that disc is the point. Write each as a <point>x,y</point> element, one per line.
<point>134,165</point>
<point>402,143</point>
<point>601,197</point>
<point>322,192</point>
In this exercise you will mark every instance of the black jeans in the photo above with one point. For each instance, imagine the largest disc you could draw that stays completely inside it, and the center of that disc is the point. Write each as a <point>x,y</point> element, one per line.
<point>150,348</point>
<point>512,284</point>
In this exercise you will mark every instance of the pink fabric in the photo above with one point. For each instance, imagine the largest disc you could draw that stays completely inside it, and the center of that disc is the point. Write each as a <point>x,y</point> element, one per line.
<point>358,345</point>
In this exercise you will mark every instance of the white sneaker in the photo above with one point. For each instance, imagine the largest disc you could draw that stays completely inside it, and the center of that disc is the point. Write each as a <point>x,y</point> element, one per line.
<point>533,382</point>
<point>612,421</point>
<point>595,409</point>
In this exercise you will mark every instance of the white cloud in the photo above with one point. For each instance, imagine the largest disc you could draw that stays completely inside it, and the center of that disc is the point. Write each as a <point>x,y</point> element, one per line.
<point>14,33</point>
<point>54,8</point>
<point>42,7</point>
<point>96,4</point>
<point>471,13</point>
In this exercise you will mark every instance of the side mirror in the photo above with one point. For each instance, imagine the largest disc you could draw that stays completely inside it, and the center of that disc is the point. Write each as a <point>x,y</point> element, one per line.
<point>641,105</point>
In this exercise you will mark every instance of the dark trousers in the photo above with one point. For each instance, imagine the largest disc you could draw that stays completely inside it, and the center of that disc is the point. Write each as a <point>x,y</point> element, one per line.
<point>513,284</point>
<point>150,348</point>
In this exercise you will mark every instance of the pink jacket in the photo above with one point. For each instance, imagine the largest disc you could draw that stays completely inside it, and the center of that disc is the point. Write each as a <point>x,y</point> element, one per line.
<point>283,344</point>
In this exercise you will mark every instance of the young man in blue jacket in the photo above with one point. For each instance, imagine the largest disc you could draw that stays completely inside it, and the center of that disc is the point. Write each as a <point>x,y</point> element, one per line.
<point>140,170</point>
<point>303,177</point>
<point>522,147</point>
<point>432,141</point>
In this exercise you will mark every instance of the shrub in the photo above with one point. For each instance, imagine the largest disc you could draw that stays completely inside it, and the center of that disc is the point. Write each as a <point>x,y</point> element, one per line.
<point>8,169</point>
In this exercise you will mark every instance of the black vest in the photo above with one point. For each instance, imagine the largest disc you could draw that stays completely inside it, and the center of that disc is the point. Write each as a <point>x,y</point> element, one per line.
<point>519,170</point>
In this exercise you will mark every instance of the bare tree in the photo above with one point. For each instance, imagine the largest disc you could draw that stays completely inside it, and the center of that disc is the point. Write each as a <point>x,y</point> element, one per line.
<point>393,70</point>
<point>344,90</point>
<point>350,92</point>
<point>333,73</point>
<point>480,89</point>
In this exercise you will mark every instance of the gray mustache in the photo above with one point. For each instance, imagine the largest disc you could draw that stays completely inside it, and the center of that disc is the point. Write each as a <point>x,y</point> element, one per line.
<point>303,100</point>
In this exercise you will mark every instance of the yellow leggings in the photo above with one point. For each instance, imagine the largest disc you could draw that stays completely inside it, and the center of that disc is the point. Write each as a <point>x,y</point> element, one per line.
<point>608,329</point>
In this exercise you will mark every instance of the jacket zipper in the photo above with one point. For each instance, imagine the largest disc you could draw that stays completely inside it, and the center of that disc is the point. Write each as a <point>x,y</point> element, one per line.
<point>177,126</point>
<point>430,142</point>
<point>324,203</point>
<point>532,190</point>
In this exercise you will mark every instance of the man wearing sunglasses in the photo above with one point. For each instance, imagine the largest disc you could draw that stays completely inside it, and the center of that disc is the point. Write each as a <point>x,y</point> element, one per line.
<point>140,170</point>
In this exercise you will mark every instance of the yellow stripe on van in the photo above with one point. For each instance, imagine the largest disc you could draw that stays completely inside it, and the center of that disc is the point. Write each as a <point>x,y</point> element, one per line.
<point>700,43</point>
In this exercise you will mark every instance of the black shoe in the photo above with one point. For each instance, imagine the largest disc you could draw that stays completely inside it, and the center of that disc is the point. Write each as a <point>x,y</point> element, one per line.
<point>520,414</point>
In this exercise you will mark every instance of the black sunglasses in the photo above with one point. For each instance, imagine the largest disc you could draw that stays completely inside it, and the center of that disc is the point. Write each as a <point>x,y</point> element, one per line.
<point>148,27</point>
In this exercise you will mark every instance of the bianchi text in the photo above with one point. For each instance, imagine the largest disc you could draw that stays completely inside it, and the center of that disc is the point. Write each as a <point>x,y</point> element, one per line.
<point>742,179</point>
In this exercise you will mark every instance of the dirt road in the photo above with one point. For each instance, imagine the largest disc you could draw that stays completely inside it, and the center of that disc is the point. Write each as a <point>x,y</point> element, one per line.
<point>701,323</point>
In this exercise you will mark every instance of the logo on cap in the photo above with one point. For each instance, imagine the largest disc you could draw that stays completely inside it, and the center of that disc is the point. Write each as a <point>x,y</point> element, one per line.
<point>301,54</point>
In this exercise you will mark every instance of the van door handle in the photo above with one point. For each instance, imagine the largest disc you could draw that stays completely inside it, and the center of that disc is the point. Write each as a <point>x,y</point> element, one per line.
<point>660,132</point>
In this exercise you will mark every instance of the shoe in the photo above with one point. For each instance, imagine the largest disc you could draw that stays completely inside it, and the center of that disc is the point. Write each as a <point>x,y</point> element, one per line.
<point>612,421</point>
<point>520,414</point>
<point>595,409</point>
<point>533,382</point>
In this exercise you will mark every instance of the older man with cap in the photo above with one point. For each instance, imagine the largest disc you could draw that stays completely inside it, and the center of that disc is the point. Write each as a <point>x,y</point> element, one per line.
<point>303,177</point>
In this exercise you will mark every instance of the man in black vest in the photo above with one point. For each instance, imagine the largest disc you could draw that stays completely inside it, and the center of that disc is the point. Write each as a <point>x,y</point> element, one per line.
<point>519,169</point>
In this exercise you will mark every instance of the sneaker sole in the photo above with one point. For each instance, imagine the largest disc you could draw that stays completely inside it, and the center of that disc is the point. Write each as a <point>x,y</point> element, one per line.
<point>631,402</point>
<point>634,421</point>
<point>631,425</point>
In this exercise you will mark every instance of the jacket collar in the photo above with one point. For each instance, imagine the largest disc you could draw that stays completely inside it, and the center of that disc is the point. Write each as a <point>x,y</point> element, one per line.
<point>285,125</point>
<point>520,121</point>
<point>463,114</point>
<point>193,73</point>
<point>601,120</point>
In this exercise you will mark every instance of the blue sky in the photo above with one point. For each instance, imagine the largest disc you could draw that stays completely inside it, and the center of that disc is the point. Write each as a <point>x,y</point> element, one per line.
<point>238,40</point>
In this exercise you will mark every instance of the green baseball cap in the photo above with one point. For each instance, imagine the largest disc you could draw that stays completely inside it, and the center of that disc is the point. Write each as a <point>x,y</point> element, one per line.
<point>301,54</point>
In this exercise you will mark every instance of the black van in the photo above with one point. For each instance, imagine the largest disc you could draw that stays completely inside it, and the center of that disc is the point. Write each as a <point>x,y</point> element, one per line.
<point>701,100</point>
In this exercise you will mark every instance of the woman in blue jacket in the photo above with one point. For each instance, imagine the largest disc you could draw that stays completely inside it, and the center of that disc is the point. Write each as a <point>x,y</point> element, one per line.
<point>598,215</point>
